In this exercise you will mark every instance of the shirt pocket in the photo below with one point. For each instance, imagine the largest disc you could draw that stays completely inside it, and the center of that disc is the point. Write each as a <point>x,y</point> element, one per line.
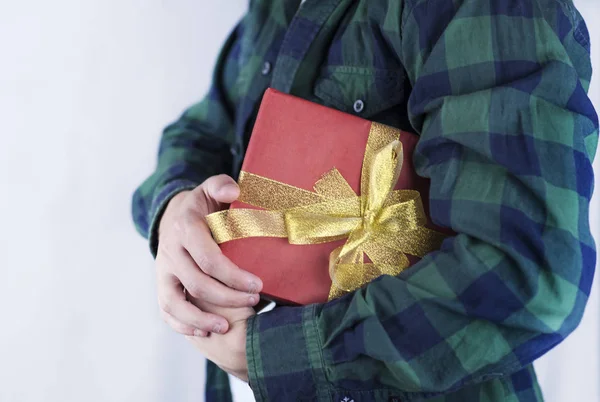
<point>362,91</point>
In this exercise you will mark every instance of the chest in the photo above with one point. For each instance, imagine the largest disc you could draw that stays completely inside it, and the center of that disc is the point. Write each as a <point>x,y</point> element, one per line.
<point>344,54</point>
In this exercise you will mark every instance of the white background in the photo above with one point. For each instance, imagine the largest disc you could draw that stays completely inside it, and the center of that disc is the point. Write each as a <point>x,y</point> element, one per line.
<point>85,89</point>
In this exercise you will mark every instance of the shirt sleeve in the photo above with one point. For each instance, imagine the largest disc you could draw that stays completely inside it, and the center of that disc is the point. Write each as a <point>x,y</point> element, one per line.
<point>508,135</point>
<point>193,148</point>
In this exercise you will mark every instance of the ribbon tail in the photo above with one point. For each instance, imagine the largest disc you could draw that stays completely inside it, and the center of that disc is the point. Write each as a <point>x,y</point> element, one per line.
<point>346,270</point>
<point>387,260</point>
<point>349,272</point>
<point>332,185</point>
<point>236,224</point>
<point>351,276</point>
<point>273,195</point>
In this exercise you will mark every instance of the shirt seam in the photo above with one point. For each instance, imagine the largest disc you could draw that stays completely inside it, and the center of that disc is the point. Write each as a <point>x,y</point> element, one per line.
<point>322,370</point>
<point>253,374</point>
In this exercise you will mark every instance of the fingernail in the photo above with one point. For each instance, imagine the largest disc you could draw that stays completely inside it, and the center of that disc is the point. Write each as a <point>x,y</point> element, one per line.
<point>200,333</point>
<point>217,328</point>
<point>253,288</point>
<point>252,300</point>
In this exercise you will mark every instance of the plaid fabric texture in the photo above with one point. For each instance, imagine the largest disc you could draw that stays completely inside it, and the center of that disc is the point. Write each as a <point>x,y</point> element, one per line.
<point>497,91</point>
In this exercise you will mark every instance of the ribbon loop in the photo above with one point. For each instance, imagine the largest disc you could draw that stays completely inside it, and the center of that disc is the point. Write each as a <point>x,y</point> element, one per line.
<point>383,175</point>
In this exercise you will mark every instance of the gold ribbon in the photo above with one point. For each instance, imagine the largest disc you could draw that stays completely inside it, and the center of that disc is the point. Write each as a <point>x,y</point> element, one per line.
<point>382,223</point>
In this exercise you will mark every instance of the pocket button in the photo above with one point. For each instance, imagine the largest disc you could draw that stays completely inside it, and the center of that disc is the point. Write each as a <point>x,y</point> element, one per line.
<point>359,106</point>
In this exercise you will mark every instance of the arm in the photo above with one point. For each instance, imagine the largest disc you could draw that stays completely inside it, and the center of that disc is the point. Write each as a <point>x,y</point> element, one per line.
<point>172,203</point>
<point>507,138</point>
<point>193,148</point>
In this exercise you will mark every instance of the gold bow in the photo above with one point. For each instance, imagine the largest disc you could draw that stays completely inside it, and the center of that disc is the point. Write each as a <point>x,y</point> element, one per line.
<point>382,223</point>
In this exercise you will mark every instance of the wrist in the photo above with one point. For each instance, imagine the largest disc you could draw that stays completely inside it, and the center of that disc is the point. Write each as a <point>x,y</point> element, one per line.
<point>159,202</point>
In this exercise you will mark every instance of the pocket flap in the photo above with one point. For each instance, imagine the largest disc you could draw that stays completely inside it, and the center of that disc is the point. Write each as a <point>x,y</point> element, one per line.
<point>378,90</point>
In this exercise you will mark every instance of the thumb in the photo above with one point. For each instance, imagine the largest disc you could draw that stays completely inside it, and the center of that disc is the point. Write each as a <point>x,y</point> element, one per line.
<point>222,188</point>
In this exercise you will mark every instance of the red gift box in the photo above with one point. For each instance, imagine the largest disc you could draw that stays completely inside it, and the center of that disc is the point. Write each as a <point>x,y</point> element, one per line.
<point>295,142</point>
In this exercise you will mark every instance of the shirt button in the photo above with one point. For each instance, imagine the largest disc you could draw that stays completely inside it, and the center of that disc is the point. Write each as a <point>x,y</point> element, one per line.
<point>266,68</point>
<point>359,106</point>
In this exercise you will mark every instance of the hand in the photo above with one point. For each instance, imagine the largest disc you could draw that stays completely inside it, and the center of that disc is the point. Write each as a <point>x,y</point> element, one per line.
<point>188,258</point>
<point>227,351</point>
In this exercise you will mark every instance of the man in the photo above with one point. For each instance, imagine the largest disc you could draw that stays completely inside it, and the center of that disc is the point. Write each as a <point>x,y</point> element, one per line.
<point>496,89</point>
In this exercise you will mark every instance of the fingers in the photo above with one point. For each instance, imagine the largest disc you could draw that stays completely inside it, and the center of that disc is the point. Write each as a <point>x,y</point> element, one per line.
<point>180,327</point>
<point>172,301</point>
<point>206,289</point>
<point>221,268</point>
<point>207,255</point>
<point>221,188</point>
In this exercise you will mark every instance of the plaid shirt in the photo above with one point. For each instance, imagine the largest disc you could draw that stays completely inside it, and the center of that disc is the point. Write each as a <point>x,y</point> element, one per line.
<point>497,91</point>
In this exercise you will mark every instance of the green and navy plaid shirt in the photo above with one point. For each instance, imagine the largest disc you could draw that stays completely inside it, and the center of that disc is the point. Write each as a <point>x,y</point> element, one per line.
<point>497,91</point>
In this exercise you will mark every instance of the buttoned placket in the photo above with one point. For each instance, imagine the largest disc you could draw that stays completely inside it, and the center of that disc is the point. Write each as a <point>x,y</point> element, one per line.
<point>300,35</point>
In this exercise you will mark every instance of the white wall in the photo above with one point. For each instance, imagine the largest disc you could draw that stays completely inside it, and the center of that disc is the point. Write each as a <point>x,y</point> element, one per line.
<point>85,87</point>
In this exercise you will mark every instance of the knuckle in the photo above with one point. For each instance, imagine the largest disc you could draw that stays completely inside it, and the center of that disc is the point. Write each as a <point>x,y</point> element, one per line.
<point>184,221</point>
<point>208,264</point>
<point>195,289</point>
<point>178,224</point>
